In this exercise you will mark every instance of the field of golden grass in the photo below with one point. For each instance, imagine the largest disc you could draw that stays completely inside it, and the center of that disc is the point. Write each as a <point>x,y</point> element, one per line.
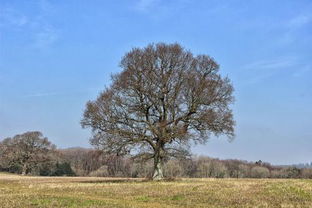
<point>27,191</point>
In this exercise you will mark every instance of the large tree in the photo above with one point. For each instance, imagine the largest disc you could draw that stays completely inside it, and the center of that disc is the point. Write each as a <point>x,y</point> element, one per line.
<point>162,99</point>
<point>25,151</point>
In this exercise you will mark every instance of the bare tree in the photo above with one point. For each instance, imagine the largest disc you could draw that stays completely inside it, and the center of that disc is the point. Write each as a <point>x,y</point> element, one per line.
<point>25,151</point>
<point>164,97</point>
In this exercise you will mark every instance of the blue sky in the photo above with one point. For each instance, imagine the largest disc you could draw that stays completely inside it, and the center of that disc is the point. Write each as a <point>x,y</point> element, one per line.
<point>57,55</point>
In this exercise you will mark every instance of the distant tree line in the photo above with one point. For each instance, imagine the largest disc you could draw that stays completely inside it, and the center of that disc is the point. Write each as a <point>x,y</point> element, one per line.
<point>32,154</point>
<point>97,164</point>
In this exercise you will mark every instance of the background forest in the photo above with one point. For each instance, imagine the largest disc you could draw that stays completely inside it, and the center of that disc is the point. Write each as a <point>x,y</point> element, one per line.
<point>32,154</point>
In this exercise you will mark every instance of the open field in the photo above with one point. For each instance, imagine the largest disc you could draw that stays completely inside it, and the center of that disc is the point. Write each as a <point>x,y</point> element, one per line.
<point>19,191</point>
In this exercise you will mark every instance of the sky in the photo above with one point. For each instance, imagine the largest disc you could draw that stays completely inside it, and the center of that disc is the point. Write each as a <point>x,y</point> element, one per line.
<point>57,55</point>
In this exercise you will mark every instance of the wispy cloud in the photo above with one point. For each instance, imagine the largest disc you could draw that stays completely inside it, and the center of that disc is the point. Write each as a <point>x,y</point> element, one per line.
<point>36,28</point>
<point>45,38</point>
<point>302,71</point>
<point>258,71</point>
<point>146,5</point>
<point>293,66</point>
<point>299,21</point>
<point>61,93</point>
<point>12,18</point>
<point>292,28</point>
<point>42,94</point>
<point>271,64</point>
<point>159,8</point>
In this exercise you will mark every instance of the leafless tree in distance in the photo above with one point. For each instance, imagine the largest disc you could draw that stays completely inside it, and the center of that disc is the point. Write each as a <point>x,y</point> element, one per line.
<point>26,150</point>
<point>162,99</point>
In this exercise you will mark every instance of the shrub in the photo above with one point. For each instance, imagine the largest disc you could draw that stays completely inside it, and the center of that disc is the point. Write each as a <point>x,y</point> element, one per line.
<point>101,172</point>
<point>260,172</point>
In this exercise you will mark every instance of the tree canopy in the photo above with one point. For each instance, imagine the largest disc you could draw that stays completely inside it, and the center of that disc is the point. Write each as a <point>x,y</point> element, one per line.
<point>163,98</point>
<point>25,151</point>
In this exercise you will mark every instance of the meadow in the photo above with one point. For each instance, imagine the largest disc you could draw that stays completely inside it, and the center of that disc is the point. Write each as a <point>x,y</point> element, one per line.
<point>29,191</point>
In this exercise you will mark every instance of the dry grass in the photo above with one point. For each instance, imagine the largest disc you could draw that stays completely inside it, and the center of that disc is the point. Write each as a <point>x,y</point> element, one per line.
<point>18,191</point>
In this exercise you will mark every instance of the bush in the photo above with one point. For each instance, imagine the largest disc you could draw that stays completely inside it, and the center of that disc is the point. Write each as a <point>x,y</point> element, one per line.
<point>306,173</point>
<point>101,172</point>
<point>63,169</point>
<point>244,171</point>
<point>292,172</point>
<point>173,169</point>
<point>279,173</point>
<point>260,172</point>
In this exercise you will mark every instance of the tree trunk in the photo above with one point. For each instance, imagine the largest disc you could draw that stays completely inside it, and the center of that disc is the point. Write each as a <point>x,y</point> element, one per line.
<point>158,169</point>
<point>158,165</point>
<point>24,169</point>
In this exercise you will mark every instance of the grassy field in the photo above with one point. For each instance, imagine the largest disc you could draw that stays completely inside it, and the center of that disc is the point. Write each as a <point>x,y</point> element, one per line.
<point>19,191</point>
